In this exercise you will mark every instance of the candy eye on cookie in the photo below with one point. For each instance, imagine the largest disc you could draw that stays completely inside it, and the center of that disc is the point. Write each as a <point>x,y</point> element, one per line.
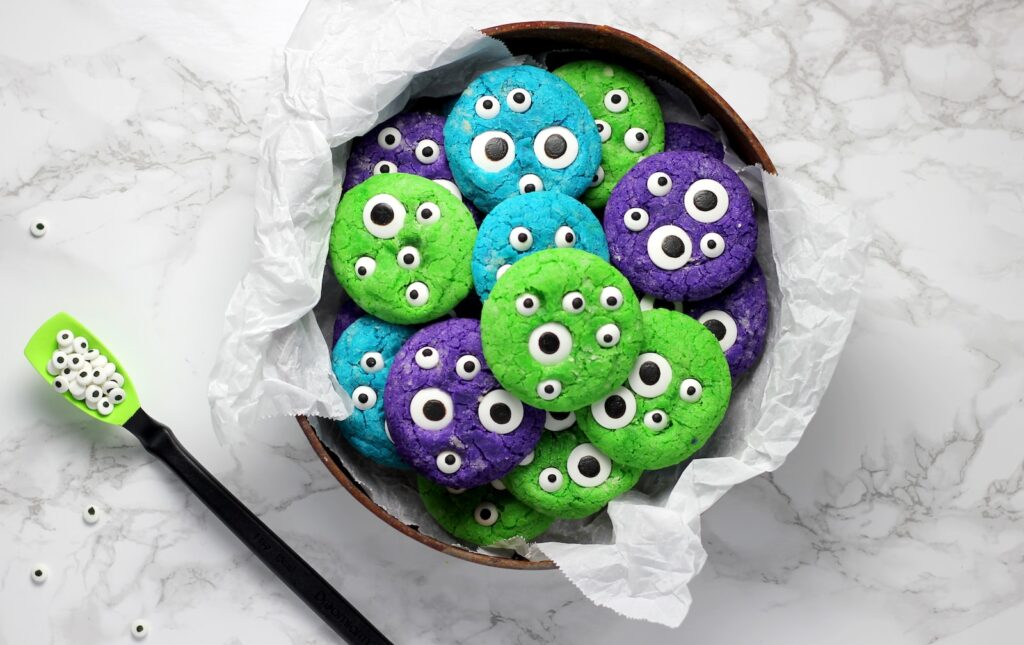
<point>565,237</point>
<point>492,151</point>
<point>616,101</point>
<point>427,151</point>
<point>651,375</point>
<point>486,514</point>
<point>500,412</point>
<point>722,325</point>
<point>550,343</point>
<point>706,201</point>
<point>603,129</point>
<point>389,138</point>
<point>556,147</point>
<point>520,238</point>
<point>487,107</point>
<point>383,216</point>
<point>637,139</point>
<point>530,183</point>
<point>371,362</point>
<point>364,397</point>
<point>550,480</point>
<point>432,409</point>
<point>587,466</point>
<point>616,410</point>
<point>519,100</point>
<point>384,168</point>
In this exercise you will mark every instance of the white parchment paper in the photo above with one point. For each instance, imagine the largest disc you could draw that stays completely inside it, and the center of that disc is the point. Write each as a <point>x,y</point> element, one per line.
<point>338,77</point>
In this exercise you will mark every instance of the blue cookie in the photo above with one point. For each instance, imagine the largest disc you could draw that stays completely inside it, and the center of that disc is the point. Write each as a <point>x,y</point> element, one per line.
<point>519,130</point>
<point>529,223</point>
<point>361,361</point>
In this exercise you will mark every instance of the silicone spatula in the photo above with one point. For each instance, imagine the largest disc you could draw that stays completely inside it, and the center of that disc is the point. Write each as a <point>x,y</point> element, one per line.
<point>158,439</point>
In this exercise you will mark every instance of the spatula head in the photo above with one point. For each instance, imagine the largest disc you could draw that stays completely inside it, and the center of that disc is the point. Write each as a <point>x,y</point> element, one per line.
<point>43,343</point>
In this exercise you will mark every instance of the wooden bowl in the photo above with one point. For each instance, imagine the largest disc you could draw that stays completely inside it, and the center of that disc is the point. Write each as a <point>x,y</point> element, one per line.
<point>605,43</point>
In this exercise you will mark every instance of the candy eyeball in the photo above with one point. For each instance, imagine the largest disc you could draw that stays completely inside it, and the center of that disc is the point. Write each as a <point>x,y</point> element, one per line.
<point>549,389</point>
<point>712,245</point>
<point>528,459</point>
<point>616,101</point>
<point>573,302</point>
<point>608,335</point>
<point>598,178</point>
<point>519,100</point>
<point>501,271</point>
<point>91,514</point>
<point>659,184</point>
<point>556,147</point>
<point>365,266</point>
<point>104,406</point>
<point>690,390</point>
<point>565,237</point>
<point>550,343</point>
<point>656,420</point>
<point>364,397</point>
<point>60,384</point>
<point>706,201</point>
<point>64,339</point>
<point>530,183</point>
<point>550,480</point>
<point>39,227</point>
<point>91,355</point>
<point>486,514</point>
<point>636,219</point>
<point>117,378</point>
<point>428,213</point>
<point>651,375</point>
<point>80,345</point>
<point>115,394</point>
<point>611,298</point>
<point>449,462</point>
<point>409,257</point>
<point>492,151</point>
<point>603,130</point>
<point>527,304</point>
<point>52,369</point>
<point>77,390</point>
<point>669,247</point>
<point>427,151</point>
<point>93,394</point>
<point>587,466</point>
<point>616,410</point>
<point>520,238</point>
<point>140,629</point>
<point>467,367</point>
<point>83,377</point>
<point>384,168</point>
<point>40,573</point>
<point>497,484</point>
<point>500,412</point>
<point>417,294</point>
<point>389,138</point>
<point>450,187</point>
<point>383,216</point>
<point>100,361</point>
<point>487,107</point>
<point>722,325</point>
<point>427,358</point>
<point>637,139</point>
<point>432,409</point>
<point>371,362</point>
<point>75,361</point>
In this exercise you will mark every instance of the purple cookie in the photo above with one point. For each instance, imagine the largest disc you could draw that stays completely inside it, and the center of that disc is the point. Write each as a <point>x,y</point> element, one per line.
<point>348,313</point>
<point>680,226</point>
<point>448,416</point>
<point>738,317</point>
<point>680,137</point>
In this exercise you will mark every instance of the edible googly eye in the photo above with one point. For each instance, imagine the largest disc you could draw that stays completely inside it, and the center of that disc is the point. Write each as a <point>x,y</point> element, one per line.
<point>80,345</point>
<point>550,480</point>
<point>83,377</point>
<point>527,304</point>
<point>497,484</point>
<point>431,409</point>
<point>64,338</point>
<point>455,491</point>
<point>91,514</point>
<point>467,367</point>
<point>104,406</point>
<point>91,355</point>
<point>651,375</point>
<point>587,466</point>
<point>500,412</point>
<point>116,395</point>
<point>492,151</point>
<point>556,147</point>
<point>706,200</point>
<point>521,238</point>
<point>690,390</point>
<point>428,213</point>
<point>648,302</point>
<point>364,397</point>
<point>616,100</point>
<point>384,168</point>
<point>427,151</point>
<point>427,358</point>
<point>75,361</point>
<point>608,335</point>
<point>487,107</point>
<point>722,325</point>
<point>550,343</point>
<point>92,395</point>
<point>371,362</point>
<point>636,219</point>
<point>117,378</point>
<point>565,237</point>
<point>365,266</point>
<point>77,390</point>
<point>527,460</point>
<point>530,184</point>
<point>519,100</point>
<point>383,216</point>
<point>448,462</point>
<point>598,177</point>
<point>140,629</point>
<point>100,361</point>
<point>408,257</point>
<point>603,129</point>
<point>38,227</point>
<point>611,298</point>
<point>501,270</point>
<point>712,245</point>
<point>389,138</point>
<point>99,376</point>
<point>659,184</point>
<point>637,139</point>
<point>615,410</point>
<point>669,247</point>
<point>573,302</point>
<point>656,420</point>
<point>450,187</point>
<point>53,369</point>
<point>40,573</point>
<point>417,294</point>
<point>486,514</point>
<point>555,421</point>
<point>60,384</point>
<point>549,389</point>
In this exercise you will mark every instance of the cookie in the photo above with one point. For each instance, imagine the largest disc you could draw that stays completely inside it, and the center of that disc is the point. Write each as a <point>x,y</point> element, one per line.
<point>568,477</point>
<point>680,226</point>
<point>674,398</point>
<point>348,313</point>
<point>517,130</point>
<point>450,419</point>
<point>525,224</point>
<point>484,515</point>
<point>401,247</point>
<point>561,329</point>
<point>628,119</point>
<point>680,137</point>
<point>361,361</point>
<point>411,142</point>
<point>738,317</point>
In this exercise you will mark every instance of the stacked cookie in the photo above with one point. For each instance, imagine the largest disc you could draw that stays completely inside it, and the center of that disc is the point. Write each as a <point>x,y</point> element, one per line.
<point>550,291</point>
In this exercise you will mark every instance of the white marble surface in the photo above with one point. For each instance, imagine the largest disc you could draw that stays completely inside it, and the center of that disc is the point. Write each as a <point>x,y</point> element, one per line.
<point>132,128</point>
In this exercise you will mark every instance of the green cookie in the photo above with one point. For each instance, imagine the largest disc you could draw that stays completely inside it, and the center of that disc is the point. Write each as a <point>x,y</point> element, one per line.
<point>628,119</point>
<point>568,477</point>
<point>401,247</point>
<point>672,401</point>
<point>482,515</point>
<point>561,329</point>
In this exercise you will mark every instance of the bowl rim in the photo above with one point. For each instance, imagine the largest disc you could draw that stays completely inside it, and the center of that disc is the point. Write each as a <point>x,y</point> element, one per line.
<point>519,36</point>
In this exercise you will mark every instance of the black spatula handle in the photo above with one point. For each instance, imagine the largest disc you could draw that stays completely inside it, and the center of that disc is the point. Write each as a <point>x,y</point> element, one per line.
<point>272,550</point>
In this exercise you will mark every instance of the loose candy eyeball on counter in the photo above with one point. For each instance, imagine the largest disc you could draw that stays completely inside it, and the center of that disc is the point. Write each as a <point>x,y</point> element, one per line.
<point>385,214</point>
<point>525,224</point>
<point>628,119</point>
<point>551,351</point>
<point>680,226</point>
<point>449,418</point>
<point>361,360</point>
<point>680,137</point>
<point>483,515</point>
<point>738,317</point>
<point>517,130</point>
<point>568,477</point>
<point>674,398</point>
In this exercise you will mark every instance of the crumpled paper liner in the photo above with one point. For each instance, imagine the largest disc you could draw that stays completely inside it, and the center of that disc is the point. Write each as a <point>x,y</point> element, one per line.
<point>339,77</point>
